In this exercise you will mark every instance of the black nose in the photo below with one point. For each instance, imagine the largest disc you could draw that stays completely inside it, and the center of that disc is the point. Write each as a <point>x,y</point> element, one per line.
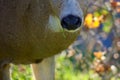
<point>71,22</point>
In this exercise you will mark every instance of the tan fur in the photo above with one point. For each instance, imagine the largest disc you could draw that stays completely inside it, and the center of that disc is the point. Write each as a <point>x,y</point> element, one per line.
<point>25,33</point>
<point>24,36</point>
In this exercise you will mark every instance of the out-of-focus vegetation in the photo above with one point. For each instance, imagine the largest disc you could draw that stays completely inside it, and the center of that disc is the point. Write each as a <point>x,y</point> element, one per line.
<point>68,69</point>
<point>21,72</point>
<point>95,55</point>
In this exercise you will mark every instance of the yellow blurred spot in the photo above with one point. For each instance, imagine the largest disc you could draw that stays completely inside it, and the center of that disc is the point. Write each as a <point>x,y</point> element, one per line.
<point>96,22</point>
<point>91,22</point>
<point>98,54</point>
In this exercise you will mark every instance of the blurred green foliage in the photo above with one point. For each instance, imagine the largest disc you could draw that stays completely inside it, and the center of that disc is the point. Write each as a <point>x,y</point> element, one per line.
<point>66,70</point>
<point>21,72</point>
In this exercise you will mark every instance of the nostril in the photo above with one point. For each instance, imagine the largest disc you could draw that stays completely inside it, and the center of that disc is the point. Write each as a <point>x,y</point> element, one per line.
<point>71,22</point>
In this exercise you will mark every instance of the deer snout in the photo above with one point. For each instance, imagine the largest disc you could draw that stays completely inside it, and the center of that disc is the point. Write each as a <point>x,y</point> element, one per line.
<point>71,22</point>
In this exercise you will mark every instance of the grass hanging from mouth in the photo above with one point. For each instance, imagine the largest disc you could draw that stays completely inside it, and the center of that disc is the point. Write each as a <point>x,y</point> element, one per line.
<point>63,32</point>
